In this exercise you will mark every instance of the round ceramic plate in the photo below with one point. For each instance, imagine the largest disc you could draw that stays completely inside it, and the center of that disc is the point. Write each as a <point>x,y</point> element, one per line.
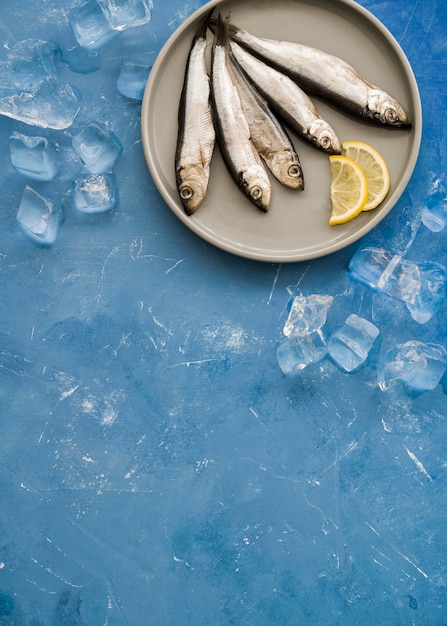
<point>296,227</point>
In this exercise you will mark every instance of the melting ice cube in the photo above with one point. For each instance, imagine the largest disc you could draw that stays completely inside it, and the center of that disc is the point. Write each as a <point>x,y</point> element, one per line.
<point>98,148</point>
<point>122,14</point>
<point>419,366</point>
<point>307,314</point>
<point>90,25</point>
<point>132,79</point>
<point>350,345</point>
<point>434,212</point>
<point>30,90</point>
<point>34,157</point>
<point>39,218</point>
<point>432,294</point>
<point>382,270</point>
<point>95,193</point>
<point>81,60</point>
<point>296,353</point>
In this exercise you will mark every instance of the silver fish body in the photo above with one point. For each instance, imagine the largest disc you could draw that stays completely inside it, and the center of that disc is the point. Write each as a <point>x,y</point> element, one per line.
<point>233,133</point>
<point>267,133</point>
<point>196,136</point>
<point>288,100</point>
<point>326,76</point>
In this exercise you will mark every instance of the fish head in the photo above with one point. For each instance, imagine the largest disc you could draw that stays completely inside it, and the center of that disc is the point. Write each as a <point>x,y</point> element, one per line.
<point>325,137</point>
<point>387,110</point>
<point>256,185</point>
<point>287,169</point>
<point>260,194</point>
<point>192,183</point>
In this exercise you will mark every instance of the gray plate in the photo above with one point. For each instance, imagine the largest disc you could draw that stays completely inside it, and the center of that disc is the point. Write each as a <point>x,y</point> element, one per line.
<point>296,227</point>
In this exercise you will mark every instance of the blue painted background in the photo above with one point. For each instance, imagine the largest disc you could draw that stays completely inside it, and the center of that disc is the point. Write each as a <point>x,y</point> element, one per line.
<point>156,467</point>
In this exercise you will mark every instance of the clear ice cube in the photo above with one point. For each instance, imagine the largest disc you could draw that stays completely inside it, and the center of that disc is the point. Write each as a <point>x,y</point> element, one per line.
<point>98,148</point>
<point>382,270</point>
<point>122,14</point>
<point>132,79</point>
<point>95,193</point>
<point>294,354</point>
<point>434,212</point>
<point>81,60</point>
<point>90,25</point>
<point>34,157</point>
<point>307,314</point>
<point>30,90</point>
<point>418,366</point>
<point>432,294</point>
<point>349,346</point>
<point>39,218</point>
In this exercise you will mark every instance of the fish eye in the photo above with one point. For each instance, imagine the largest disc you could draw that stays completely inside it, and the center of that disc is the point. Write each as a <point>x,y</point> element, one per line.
<point>325,141</point>
<point>390,115</point>
<point>186,192</point>
<point>256,192</point>
<point>294,171</point>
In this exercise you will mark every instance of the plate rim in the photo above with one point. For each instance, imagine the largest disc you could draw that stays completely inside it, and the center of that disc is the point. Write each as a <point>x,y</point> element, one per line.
<point>293,255</point>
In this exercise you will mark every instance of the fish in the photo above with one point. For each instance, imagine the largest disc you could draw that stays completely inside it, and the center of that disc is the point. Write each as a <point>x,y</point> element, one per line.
<point>326,76</point>
<point>196,136</point>
<point>288,100</point>
<point>266,132</point>
<point>232,130</point>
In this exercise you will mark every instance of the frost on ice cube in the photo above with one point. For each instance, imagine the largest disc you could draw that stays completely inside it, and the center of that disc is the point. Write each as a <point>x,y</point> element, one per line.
<point>132,79</point>
<point>432,294</point>
<point>122,14</point>
<point>34,157</point>
<point>95,193</point>
<point>30,90</point>
<point>307,314</point>
<point>349,346</point>
<point>418,366</point>
<point>434,212</point>
<point>382,270</point>
<point>98,148</point>
<point>39,218</point>
<point>90,25</point>
<point>296,353</point>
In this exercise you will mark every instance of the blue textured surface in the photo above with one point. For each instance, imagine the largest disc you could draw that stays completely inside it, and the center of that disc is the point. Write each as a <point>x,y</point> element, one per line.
<point>156,466</point>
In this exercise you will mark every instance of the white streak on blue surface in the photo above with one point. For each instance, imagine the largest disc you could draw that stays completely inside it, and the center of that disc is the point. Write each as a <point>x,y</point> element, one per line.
<point>275,280</point>
<point>418,463</point>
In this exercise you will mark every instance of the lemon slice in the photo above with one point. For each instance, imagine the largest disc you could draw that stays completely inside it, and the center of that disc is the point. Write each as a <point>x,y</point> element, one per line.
<point>349,189</point>
<point>374,168</point>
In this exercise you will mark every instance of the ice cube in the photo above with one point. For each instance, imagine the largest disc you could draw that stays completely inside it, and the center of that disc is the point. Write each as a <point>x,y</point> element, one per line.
<point>132,79</point>
<point>34,157</point>
<point>122,14</point>
<point>98,148</point>
<point>294,354</point>
<point>349,346</point>
<point>419,366</point>
<point>30,90</point>
<point>95,193</point>
<point>382,270</point>
<point>90,25</point>
<point>81,60</point>
<point>307,314</point>
<point>434,212</point>
<point>432,294</point>
<point>39,218</point>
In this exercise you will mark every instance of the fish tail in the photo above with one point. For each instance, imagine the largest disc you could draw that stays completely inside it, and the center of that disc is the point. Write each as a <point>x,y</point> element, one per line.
<point>204,25</point>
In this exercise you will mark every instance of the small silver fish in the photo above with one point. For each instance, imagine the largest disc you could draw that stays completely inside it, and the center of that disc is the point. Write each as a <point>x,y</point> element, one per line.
<point>289,100</point>
<point>196,136</point>
<point>233,133</point>
<point>326,76</point>
<point>266,132</point>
